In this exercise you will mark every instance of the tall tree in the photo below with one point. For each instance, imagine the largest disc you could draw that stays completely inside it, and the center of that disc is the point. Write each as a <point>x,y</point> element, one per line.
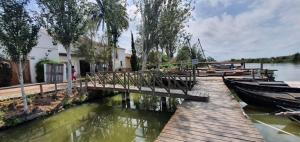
<point>112,15</point>
<point>65,21</point>
<point>150,12</point>
<point>18,34</point>
<point>172,21</point>
<point>133,59</point>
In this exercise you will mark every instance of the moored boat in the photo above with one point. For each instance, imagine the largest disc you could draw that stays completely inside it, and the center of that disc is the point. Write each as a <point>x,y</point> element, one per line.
<point>231,82</point>
<point>268,99</point>
<point>272,86</point>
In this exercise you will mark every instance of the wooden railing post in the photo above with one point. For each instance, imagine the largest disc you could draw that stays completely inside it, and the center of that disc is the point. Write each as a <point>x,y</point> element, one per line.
<point>41,89</point>
<point>114,84</point>
<point>124,82</point>
<point>128,81</point>
<point>186,84</point>
<point>153,81</point>
<point>95,81</point>
<point>80,85</point>
<point>55,86</point>
<point>169,83</point>
<point>86,83</point>
<point>140,80</point>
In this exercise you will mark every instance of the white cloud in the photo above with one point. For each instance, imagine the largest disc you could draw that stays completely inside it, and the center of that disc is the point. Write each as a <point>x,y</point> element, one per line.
<point>267,28</point>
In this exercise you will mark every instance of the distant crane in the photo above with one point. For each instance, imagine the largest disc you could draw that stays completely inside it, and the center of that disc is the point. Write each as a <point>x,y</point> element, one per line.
<point>202,51</point>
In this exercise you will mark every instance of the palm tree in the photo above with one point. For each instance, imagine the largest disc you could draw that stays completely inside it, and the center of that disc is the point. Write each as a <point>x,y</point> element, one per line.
<point>112,15</point>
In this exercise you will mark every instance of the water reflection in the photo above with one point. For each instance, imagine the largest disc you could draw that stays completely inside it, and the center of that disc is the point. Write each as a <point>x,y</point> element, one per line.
<point>134,117</point>
<point>273,128</point>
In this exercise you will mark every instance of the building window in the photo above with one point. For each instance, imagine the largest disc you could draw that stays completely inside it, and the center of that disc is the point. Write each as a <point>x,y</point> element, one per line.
<point>121,63</point>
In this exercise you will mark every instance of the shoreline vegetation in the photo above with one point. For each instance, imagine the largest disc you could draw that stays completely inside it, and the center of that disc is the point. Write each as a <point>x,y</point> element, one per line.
<point>12,114</point>
<point>294,58</point>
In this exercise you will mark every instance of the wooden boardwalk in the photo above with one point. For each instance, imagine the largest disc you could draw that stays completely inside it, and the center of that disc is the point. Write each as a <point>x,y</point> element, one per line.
<point>220,120</point>
<point>148,82</point>
<point>192,95</point>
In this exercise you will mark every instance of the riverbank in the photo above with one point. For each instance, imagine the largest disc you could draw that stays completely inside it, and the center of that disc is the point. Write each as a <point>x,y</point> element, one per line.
<point>12,113</point>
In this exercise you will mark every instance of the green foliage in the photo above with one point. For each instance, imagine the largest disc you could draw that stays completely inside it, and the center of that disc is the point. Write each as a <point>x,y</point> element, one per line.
<point>13,121</point>
<point>67,102</point>
<point>133,59</point>
<point>5,74</point>
<point>168,65</point>
<point>18,31</point>
<point>210,59</point>
<point>65,20</point>
<point>39,69</point>
<point>173,16</point>
<point>165,58</point>
<point>184,54</point>
<point>295,58</point>
<point>152,58</point>
<point>112,15</point>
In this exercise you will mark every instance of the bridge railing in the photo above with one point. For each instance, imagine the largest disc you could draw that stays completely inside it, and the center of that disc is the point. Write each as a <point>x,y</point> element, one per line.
<point>142,79</point>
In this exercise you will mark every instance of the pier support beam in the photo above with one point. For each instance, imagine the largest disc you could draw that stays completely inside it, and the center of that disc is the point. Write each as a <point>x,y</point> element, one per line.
<point>163,103</point>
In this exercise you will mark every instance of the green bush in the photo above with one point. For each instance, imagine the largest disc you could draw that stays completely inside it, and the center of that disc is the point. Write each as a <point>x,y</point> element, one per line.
<point>5,74</point>
<point>39,69</point>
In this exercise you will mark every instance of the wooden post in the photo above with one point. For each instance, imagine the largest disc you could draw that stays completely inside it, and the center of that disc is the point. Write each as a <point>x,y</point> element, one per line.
<point>41,89</point>
<point>124,80</point>
<point>80,85</point>
<point>252,73</point>
<point>86,84</point>
<point>95,81</point>
<point>169,84</point>
<point>55,86</point>
<point>163,103</point>
<point>194,74</point>
<point>128,82</point>
<point>186,85</point>
<point>114,80</point>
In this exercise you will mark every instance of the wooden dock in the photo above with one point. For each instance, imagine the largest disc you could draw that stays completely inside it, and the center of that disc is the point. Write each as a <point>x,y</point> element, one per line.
<point>220,120</point>
<point>146,82</point>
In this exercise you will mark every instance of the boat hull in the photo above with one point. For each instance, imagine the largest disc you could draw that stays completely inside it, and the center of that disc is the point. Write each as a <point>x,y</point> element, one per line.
<point>257,98</point>
<point>254,86</point>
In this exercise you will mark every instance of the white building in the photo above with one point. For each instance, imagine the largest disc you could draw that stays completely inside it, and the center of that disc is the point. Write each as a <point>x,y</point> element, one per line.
<point>45,49</point>
<point>119,61</point>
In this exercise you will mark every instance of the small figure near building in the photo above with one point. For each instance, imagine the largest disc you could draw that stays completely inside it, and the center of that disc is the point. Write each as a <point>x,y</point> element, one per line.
<point>73,73</point>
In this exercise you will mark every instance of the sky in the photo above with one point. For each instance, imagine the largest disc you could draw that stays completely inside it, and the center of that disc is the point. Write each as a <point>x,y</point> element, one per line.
<point>237,28</point>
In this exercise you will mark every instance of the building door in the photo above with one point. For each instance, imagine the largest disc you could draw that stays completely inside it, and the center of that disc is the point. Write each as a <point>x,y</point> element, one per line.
<point>84,67</point>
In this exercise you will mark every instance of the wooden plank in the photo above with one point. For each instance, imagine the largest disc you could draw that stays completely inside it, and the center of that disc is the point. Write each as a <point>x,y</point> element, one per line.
<point>221,119</point>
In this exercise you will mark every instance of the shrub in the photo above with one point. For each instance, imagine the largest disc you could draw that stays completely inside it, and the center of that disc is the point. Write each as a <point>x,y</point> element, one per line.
<point>39,69</point>
<point>5,74</point>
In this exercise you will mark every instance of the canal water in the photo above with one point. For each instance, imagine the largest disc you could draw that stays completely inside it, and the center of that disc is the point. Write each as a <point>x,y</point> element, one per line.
<point>108,120</point>
<point>286,71</point>
<point>276,128</point>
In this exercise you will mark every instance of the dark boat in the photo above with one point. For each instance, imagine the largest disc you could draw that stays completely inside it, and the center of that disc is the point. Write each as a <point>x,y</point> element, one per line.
<point>292,113</point>
<point>272,86</point>
<point>231,82</point>
<point>268,99</point>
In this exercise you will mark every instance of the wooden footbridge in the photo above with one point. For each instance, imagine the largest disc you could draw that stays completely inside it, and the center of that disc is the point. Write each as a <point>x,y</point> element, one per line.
<point>158,83</point>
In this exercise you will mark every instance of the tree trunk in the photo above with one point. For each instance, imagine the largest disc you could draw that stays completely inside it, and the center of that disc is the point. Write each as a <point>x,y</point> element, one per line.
<point>69,89</point>
<point>144,62</point>
<point>159,56</point>
<point>114,59</point>
<point>21,80</point>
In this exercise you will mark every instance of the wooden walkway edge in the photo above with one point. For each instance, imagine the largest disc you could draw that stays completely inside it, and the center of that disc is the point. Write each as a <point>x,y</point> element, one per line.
<point>219,120</point>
